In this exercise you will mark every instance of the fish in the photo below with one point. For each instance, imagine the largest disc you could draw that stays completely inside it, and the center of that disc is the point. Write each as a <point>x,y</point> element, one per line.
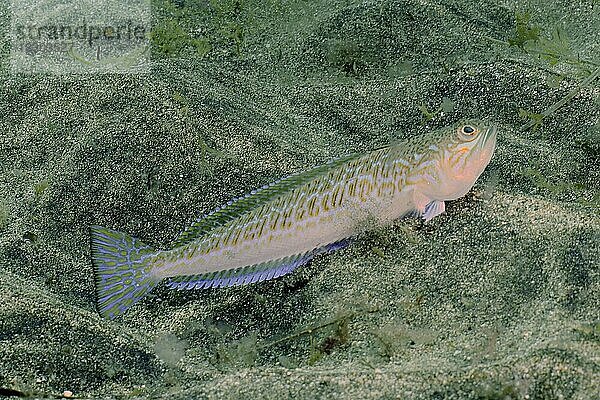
<point>275,229</point>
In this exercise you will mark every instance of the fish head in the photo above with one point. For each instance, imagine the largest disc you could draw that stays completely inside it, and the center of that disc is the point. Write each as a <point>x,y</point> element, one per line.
<point>466,150</point>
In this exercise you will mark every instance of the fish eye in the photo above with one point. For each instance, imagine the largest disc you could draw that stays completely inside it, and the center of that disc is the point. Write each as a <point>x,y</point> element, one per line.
<point>468,130</point>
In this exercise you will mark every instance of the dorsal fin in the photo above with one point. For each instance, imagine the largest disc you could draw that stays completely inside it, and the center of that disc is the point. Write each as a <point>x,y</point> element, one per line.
<point>237,207</point>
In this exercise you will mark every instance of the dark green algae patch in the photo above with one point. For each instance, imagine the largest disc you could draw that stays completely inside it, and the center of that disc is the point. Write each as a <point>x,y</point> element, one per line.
<point>496,299</point>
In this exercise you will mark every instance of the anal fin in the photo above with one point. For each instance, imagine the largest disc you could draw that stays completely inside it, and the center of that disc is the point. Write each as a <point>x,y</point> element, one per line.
<point>252,273</point>
<point>241,276</point>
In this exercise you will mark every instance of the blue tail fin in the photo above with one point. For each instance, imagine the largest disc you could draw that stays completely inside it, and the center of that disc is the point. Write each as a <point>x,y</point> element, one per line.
<point>122,265</point>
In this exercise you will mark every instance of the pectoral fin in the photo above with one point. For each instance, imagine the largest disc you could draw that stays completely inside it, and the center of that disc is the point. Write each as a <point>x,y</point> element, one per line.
<point>433,209</point>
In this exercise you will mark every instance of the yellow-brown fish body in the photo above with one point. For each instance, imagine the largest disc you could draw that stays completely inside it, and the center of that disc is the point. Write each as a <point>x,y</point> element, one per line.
<point>283,225</point>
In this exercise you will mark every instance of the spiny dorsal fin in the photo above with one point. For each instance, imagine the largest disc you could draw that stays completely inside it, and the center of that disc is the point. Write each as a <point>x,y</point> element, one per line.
<point>235,208</point>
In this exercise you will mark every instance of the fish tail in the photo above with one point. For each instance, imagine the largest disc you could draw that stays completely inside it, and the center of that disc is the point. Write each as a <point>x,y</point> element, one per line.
<point>122,265</point>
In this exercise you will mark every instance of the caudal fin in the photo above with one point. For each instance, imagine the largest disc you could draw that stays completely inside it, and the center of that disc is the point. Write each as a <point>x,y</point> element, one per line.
<point>122,266</point>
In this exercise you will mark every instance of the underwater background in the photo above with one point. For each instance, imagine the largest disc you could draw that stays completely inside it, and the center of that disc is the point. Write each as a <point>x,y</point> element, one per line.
<point>496,299</point>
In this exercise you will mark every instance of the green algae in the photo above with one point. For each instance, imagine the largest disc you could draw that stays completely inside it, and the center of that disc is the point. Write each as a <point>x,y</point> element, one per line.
<point>4,214</point>
<point>171,40</point>
<point>39,188</point>
<point>589,331</point>
<point>447,107</point>
<point>225,24</point>
<point>524,31</point>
